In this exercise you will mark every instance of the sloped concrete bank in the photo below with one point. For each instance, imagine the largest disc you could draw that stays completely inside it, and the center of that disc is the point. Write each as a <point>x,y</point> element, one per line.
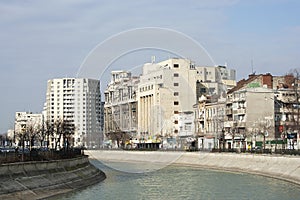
<point>40,180</point>
<point>275,166</point>
<point>280,167</point>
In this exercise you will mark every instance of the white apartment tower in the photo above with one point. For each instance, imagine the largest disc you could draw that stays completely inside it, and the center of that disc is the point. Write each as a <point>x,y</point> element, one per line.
<point>77,100</point>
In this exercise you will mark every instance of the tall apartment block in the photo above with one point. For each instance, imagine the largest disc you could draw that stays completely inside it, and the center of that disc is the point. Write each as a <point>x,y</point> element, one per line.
<point>77,100</point>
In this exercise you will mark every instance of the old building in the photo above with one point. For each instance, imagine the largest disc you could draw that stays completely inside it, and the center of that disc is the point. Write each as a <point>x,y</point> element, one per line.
<point>211,123</point>
<point>260,111</point>
<point>26,123</point>
<point>171,88</point>
<point>120,108</point>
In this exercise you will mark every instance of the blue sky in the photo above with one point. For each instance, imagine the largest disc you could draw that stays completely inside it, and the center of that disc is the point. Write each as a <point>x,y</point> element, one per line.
<point>41,40</point>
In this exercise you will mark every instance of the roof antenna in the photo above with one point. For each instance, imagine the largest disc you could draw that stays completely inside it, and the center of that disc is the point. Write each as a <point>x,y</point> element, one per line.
<point>252,66</point>
<point>152,59</point>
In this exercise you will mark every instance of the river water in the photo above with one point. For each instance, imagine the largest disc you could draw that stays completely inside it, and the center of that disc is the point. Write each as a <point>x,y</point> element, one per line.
<point>179,182</point>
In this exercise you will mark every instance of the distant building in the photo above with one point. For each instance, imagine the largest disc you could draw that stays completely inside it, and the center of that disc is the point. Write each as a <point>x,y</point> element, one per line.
<point>174,86</point>
<point>77,101</point>
<point>11,135</point>
<point>24,121</point>
<point>210,123</point>
<point>262,111</point>
<point>120,108</point>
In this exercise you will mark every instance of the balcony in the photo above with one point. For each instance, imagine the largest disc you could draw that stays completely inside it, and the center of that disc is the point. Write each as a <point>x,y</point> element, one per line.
<point>228,111</point>
<point>241,124</point>
<point>228,124</point>
<point>241,111</point>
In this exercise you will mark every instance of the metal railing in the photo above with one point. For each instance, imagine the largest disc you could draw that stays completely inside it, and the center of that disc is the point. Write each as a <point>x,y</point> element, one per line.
<point>26,155</point>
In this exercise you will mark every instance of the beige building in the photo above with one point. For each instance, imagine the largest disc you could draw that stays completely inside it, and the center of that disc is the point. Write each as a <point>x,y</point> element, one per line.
<point>262,111</point>
<point>120,108</point>
<point>210,120</point>
<point>160,105</point>
<point>250,117</point>
<point>171,87</point>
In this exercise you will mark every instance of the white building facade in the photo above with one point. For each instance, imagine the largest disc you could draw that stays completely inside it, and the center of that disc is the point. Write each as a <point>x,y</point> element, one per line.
<point>25,121</point>
<point>171,87</point>
<point>78,101</point>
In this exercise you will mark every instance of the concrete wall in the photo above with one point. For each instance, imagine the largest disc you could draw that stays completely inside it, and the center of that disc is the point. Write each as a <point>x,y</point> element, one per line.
<point>281,167</point>
<point>37,180</point>
<point>286,168</point>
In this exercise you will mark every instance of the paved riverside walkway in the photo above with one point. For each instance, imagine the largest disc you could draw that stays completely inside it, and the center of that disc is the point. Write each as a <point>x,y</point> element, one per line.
<point>276,166</point>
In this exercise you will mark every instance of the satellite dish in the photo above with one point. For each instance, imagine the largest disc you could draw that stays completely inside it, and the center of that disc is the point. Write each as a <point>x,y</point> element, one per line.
<point>266,133</point>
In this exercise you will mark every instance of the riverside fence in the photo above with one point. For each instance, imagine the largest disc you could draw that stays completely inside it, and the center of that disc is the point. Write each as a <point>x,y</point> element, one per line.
<point>11,155</point>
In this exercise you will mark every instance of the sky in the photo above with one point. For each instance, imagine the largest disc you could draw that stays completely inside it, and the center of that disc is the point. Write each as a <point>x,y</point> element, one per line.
<point>41,39</point>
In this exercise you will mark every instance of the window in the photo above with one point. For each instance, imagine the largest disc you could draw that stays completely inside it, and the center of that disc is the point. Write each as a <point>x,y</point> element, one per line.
<point>203,90</point>
<point>176,84</point>
<point>176,103</point>
<point>176,93</point>
<point>176,75</point>
<point>176,65</point>
<point>176,122</point>
<point>176,112</point>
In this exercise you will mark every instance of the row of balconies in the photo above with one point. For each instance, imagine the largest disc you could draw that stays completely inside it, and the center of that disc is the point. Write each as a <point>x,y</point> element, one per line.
<point>240,111</point>
<point>231,124</point>
<point>238,99</point>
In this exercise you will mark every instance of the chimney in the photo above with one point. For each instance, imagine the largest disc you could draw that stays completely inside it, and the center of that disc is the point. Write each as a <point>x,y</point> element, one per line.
<point>267,79</point>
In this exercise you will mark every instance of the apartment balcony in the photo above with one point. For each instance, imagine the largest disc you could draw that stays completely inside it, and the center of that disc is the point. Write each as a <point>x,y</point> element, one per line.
<point>228,111</point>
<point>239,99</point>
<point>241,111</point>
<point>241,124</point>
<point>228,124</point>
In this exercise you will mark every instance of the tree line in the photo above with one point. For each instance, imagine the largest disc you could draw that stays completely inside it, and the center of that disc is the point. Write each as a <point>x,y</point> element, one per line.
<point>51,135</point>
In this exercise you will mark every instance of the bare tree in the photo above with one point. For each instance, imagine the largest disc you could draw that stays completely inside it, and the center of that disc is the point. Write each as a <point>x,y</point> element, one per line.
<point>47,132</point>
<point>58,132</point>
<point>118,135</point>
<point>68,129</point>
<point>22,136</point>
<point>263,127</point>
<point>233,132</point>
<point>33,132</point>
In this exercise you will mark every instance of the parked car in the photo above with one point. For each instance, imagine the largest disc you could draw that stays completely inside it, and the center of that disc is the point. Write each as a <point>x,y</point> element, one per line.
<point>7,149</point>
<point>257,149</point>
<point>25,151</point>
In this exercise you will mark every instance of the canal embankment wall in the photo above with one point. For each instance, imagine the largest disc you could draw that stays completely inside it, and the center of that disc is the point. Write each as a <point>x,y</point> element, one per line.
<point>44,179</point>
<point>275,166</point>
